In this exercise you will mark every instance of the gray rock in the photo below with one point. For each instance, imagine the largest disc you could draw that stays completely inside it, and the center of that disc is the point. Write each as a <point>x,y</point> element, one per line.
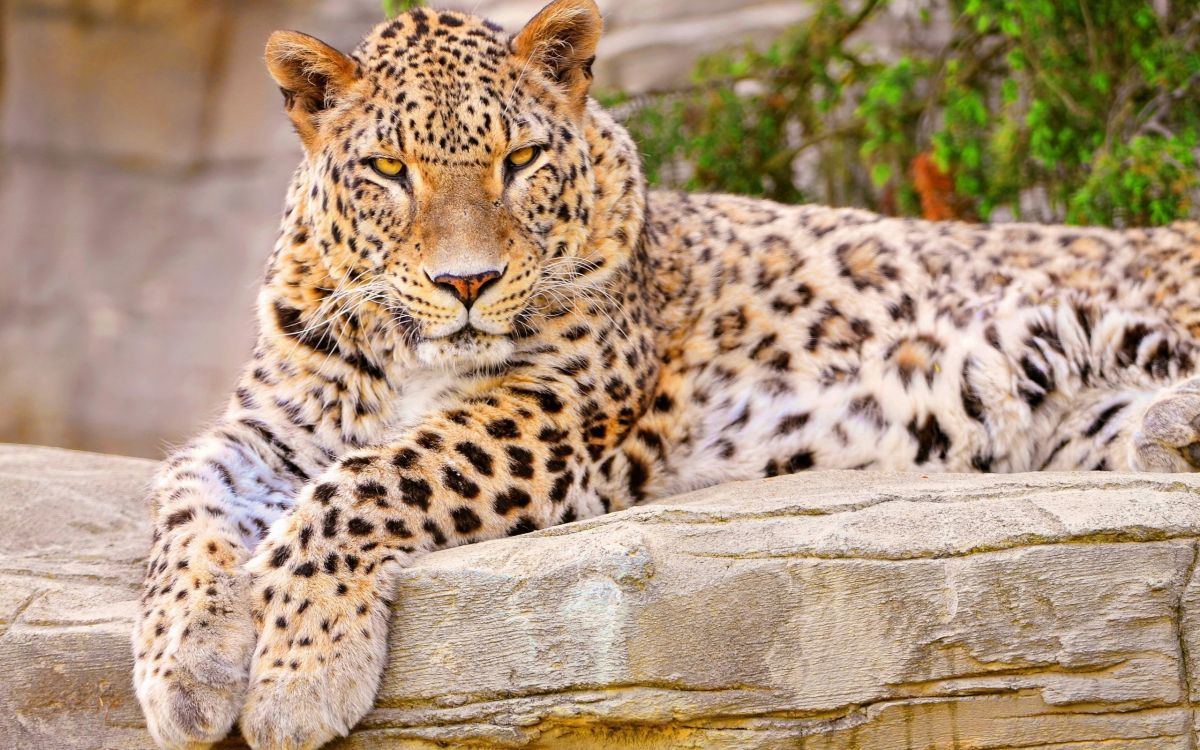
<point>825,610</point>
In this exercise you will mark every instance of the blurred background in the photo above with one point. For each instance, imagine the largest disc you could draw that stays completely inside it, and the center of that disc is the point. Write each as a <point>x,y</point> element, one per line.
<point>144,154</point>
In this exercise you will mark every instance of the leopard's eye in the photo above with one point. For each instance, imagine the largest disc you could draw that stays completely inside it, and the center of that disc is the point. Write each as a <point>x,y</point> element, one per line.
<point>522,157</point>
<point>393,169</point>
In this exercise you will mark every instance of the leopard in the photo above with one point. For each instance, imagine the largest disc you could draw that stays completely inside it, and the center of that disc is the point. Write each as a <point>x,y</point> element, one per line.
<point>478,322</point>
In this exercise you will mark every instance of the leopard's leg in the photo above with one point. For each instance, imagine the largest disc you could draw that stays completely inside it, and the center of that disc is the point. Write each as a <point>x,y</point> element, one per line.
<point>471,471</point>
<point>1096,389</point>
<point>193,635</point>
<point>1168,436</point>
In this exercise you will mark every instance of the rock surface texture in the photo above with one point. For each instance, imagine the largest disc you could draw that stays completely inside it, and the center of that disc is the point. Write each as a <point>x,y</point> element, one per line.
<point>817,611</point>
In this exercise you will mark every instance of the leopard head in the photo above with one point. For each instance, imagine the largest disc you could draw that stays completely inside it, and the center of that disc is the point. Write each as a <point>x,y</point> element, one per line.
<point>450,172</point>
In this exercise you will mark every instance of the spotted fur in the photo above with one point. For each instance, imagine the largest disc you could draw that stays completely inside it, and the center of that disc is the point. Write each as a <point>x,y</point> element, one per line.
<point>469,350</point>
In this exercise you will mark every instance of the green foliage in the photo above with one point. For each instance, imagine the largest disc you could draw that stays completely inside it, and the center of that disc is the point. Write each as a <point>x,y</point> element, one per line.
<point>395,7</point>
<point>1092,104</point>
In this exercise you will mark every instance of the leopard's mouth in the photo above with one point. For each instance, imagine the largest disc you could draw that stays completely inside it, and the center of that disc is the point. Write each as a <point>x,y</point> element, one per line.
<point>468,337</point>
<point>467,333</point>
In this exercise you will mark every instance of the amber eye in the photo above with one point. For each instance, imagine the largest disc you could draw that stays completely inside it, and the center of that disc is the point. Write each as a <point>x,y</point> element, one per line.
<point>393,169</point>
<point>523,156</point>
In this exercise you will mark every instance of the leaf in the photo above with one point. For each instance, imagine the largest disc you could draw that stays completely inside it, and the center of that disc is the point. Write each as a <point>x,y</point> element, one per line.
<point>1035,112</point>
<point>392,8</point>
<point>880,174</point>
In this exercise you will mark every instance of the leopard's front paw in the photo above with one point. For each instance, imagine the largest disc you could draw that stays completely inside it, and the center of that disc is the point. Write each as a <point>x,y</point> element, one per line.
<point>1168,438</point>
<point>193,646</point>
<point>321,651</point>
<point>304,710</point>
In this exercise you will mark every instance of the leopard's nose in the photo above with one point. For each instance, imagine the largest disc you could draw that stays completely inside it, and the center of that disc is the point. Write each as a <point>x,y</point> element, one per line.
<point>467,287</point>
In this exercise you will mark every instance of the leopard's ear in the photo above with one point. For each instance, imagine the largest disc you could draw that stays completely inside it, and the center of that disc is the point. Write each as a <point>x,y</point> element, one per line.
<point>562,40</point>
<point>311,75</point>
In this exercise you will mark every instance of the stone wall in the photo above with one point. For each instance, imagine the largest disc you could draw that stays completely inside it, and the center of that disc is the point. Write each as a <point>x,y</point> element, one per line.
<point>886,612</point>
<point>143,159</point>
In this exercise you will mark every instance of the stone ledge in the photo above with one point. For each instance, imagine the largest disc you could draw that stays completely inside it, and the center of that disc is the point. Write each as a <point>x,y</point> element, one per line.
<point>826,610</point>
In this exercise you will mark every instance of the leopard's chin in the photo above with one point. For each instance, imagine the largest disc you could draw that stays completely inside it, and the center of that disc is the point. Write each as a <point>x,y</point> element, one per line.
<point>467,349</point>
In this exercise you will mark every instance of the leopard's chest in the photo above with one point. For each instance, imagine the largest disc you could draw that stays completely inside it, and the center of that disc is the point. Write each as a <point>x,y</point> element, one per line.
<point>421,394</point>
